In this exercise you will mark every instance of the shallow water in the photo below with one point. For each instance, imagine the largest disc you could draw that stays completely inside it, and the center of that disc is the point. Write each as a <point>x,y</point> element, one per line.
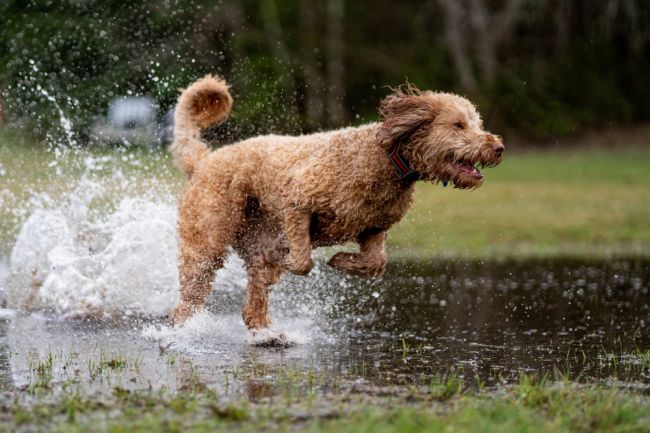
<point>486,321</point>
<point>91,272</point>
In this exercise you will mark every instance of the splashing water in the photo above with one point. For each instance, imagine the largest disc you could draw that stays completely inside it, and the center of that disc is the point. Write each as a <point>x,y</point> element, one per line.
<point>66,124</point>
<point>95,252</point>
<point>73,262</point>
<point>99,249</point>
<point>107,246</point>
<point>207,332</point>
<point>74,257</point>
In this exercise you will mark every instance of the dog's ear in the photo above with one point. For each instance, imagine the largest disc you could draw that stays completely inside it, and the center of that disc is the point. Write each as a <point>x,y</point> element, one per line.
<point>404,112</point>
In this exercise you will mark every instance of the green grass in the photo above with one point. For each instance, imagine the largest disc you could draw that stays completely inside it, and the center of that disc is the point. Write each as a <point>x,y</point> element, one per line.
<point>532,405</point>
<point>581,202</point>
<point>524,408</point>
<point>281,398</point>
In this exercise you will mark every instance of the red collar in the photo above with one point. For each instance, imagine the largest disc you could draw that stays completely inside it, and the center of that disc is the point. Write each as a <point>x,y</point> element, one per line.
<point>403,168</point>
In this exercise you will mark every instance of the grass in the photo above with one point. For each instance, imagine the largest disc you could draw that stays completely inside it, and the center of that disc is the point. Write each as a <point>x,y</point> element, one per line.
<point>582,201</point>
<point>286,398</point>
<point>532,405</point>
<point>524,408</point>
<point>62,397</point>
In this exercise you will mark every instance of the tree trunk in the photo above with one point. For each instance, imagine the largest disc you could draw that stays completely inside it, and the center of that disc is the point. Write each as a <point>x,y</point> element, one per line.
<point>335,66</point>
<point>314,104</point>
<point>490,31</point>
<point>456,42</point>
<point>484,31</point>
<point>561,21</point>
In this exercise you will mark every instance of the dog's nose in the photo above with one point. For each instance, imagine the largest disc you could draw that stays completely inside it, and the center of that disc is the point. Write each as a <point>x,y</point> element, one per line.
<point>498,148</point>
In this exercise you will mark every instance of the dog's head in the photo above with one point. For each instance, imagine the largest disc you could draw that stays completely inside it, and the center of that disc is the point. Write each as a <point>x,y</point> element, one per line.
<point>440,134</point>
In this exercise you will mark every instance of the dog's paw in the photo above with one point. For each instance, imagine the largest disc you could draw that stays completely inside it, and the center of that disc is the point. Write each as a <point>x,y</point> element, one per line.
<point>299,266</point>
<point>264,337</point>
<point>181,313</point>
<point>352,263</point>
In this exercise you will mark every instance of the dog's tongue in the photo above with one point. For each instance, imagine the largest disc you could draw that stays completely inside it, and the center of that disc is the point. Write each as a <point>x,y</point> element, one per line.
<point>471,170</point>
<point>475,172</point>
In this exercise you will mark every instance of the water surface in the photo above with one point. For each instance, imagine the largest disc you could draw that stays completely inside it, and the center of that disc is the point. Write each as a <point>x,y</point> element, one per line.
<point>485,321</point>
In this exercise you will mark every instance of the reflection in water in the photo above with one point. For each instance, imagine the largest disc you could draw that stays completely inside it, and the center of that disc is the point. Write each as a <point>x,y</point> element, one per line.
<point>485,320</point>
<point>499,318</point>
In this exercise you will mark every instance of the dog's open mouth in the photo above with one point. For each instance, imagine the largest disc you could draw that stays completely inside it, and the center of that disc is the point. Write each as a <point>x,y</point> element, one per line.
<point>464,172</point>
<point>469,169</point>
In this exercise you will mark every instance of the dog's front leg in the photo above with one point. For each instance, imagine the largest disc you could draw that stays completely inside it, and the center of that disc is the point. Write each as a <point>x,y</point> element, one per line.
<point>296,226</point>
<point>370,261</point>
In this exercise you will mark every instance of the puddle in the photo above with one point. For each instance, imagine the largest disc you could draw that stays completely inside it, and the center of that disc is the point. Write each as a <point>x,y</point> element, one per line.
<point>486,321</point>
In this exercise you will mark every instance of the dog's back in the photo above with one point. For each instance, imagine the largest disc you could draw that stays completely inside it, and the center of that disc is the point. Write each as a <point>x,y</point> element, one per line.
<point>326,167</point>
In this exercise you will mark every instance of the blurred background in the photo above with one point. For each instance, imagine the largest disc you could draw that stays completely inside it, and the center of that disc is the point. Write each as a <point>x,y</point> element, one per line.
<point>566,82</point>
<point>539,70</point>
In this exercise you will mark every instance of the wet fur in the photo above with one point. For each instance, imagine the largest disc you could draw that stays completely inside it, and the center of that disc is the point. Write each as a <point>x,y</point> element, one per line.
<point>275,198</point>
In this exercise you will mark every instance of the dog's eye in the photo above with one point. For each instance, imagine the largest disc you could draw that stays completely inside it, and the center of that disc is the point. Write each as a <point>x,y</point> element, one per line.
<point>459,125</point>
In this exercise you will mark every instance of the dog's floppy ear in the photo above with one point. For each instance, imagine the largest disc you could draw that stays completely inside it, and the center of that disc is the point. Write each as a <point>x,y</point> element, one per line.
<point>405,111</point>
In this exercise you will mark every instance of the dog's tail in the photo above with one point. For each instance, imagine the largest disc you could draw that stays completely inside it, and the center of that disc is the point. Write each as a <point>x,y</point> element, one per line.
<point>205,102</point>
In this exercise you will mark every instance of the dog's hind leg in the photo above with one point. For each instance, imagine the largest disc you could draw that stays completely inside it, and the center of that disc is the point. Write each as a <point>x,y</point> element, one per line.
<point>261,275</point>
<point>206,230</point>
<point>263,257</point>
<point>196,277</point>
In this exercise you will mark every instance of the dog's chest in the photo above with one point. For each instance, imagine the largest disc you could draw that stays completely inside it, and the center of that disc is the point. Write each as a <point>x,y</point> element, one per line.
<point>353,215</point>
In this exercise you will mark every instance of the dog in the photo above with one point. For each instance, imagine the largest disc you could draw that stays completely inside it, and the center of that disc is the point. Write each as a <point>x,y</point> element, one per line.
<point>273,198</point>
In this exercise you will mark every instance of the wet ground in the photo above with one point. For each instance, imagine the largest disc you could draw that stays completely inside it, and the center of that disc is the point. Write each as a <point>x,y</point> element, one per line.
<point>485,321</point>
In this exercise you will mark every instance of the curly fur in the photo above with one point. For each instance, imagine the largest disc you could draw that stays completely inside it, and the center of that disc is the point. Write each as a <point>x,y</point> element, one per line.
<point>275,198</point>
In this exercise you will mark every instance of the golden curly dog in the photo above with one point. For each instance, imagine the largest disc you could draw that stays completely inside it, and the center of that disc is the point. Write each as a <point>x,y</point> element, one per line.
<point>274,198</point>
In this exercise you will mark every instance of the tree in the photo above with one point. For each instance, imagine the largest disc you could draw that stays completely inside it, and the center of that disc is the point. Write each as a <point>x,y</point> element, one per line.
<point>335,65</point>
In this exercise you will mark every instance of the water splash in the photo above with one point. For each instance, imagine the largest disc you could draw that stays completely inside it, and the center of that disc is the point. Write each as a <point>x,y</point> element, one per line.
<point>107,247</point>
<point>75,258</point>
<point>65,123</point>
<point>208,332</point>
<point>105,250</point>
<point>73,261</point>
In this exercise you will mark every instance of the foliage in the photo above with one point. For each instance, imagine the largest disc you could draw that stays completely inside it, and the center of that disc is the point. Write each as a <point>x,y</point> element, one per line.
<point>555,68</point>
<point>86,53</point>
